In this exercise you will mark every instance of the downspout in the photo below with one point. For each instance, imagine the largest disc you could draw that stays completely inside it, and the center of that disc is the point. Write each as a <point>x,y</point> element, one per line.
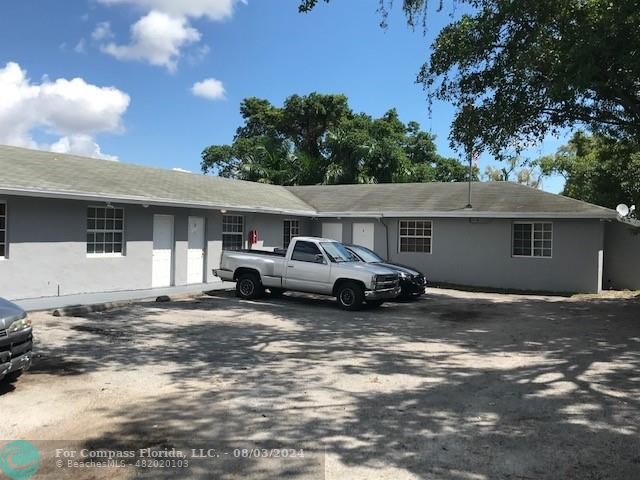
<point>386,229</point>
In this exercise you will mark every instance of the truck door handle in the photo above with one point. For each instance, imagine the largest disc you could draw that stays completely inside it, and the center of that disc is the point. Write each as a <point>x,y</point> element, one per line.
<point>290,266</point>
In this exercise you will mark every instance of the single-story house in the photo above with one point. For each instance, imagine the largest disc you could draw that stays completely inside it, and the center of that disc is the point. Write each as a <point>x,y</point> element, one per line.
<point>72,225</point>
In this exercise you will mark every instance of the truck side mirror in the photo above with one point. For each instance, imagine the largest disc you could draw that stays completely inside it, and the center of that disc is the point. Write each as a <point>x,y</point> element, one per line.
<point>319,258</point>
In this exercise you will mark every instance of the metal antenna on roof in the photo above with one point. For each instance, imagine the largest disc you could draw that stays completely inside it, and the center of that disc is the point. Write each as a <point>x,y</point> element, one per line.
<point>470,174</point>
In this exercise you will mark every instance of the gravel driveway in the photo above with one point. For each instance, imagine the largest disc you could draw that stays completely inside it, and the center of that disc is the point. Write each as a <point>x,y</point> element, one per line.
<point>453,386</point>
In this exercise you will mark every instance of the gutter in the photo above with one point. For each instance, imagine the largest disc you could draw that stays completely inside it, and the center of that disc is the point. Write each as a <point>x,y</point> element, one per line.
<point>632,222</point>
<point>466,214</point>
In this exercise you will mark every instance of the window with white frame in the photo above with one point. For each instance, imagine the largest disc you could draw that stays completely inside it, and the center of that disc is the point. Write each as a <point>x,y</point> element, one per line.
<point>532,239</point>
<point>105,231</point>
<point>3,230</point>
<point>232,232</point>
<point>415,236</point>
<point>291,229</point>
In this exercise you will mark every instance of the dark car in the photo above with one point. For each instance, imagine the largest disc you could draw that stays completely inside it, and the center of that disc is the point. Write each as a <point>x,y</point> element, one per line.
<point>412,281</point>
<point>16,341</point>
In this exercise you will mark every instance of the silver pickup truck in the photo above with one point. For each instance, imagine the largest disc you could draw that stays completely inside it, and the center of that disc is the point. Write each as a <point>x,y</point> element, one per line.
<point>314,265</point>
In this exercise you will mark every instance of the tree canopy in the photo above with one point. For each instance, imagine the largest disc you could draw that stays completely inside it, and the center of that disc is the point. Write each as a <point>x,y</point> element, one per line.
<point>515,170</point>
<point>597,169</point>
<point>517,70</point>
<point>318,139</point>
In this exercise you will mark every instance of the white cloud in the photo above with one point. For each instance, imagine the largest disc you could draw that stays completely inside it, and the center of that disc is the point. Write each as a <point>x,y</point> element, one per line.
<point>181,170</point>
<point>81,46</point>
<point>157,39</point>
<point>210,89</point>
<point>162,34</point>
<point>102,32</point>
<point>212,9</point>
<point>80,144</point>
<point>73,110</point>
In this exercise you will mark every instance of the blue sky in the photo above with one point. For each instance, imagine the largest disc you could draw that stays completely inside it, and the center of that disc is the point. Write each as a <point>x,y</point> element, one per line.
<point>262,48</point>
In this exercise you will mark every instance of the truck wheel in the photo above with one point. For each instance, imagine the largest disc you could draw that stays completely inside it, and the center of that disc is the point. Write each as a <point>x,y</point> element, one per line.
<point>276,292</point>
<point>249,286</point>
<point>13,376</point>
<point>350,296</point>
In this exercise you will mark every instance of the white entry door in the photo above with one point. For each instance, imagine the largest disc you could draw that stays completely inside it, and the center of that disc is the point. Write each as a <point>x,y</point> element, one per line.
<point>363,234</point>
<point>332,231</point>
<point>162,251</point>
<point>195,260</point>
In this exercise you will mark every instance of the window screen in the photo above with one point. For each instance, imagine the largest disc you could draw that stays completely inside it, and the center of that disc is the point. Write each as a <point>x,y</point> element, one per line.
<point>533,239</point>
<point>232,232</point>
<point>415,236</point>
<point>105,230</point>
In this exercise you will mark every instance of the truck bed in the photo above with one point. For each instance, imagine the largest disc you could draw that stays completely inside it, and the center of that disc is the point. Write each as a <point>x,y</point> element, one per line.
<point>278,252</point>
<point>269,264</point>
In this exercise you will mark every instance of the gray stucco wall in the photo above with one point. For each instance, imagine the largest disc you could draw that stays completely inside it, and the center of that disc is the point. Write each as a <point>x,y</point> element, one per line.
<point>47,250</point>
<point>47,247</point>
<point>622,257</point>
<point>478,253</point>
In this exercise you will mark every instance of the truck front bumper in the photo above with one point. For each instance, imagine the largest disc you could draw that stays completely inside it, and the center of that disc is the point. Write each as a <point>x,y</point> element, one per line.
<point>384,294</point>
<point>16,352</point>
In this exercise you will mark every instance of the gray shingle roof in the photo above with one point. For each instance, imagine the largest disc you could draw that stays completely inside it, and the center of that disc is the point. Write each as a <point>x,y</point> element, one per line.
<point>53,173</point>
<point>34,172</point>
<point>499,199</point>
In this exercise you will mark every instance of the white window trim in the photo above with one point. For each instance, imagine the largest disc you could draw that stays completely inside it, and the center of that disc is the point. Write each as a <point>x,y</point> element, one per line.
<point>105,255</point>
<point>532,222</point>
<point>240,234</point>
<point>5,256</point>
<point>430,252</point>
<point>124,239</point>
<point>291,236</point>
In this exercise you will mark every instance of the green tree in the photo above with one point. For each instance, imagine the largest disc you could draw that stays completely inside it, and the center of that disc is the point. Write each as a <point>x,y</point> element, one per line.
<point>597,169</point>
<point>318,139</point>
<point>515,170</point>
<point>518,70</point>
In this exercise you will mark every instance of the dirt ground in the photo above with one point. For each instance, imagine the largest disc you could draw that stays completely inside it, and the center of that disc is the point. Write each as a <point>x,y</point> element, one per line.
<point>454,386</point>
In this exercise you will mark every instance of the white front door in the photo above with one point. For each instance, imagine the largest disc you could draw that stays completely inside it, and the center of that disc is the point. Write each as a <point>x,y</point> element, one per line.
<point>162,251</point>
<point>332,231</point>
<point>363,234</point>
<point>195,259</point>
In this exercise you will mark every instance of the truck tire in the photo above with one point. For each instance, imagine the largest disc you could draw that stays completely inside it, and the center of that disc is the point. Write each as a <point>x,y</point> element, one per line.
<point>350,296</point>
<point>249,286</point>
<point>13,376</point>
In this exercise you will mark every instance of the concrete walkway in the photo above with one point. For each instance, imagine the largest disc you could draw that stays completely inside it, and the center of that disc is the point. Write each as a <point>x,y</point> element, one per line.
<point>47,303</point>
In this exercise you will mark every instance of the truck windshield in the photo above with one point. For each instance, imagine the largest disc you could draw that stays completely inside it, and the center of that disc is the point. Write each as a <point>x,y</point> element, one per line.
<point>365,254</point>
<point>337,252</point>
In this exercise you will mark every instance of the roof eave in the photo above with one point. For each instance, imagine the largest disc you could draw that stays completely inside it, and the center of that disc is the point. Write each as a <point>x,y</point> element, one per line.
<point>468,214</point>
<point>136,200</point>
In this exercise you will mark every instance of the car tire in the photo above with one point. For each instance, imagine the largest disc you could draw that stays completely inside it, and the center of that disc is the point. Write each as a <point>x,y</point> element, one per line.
<point>249,286</point>
<point>350,296</point>
<point>276,292</point>
<point>375,303</point>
